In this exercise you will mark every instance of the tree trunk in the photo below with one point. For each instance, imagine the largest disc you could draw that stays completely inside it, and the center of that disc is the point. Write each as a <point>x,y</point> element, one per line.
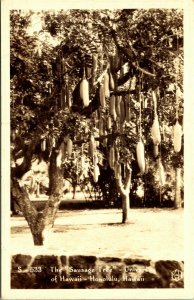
<point>177,203</point>
<point>125,207</point>
<point>56,190</point>
<point>40,221</point>
<point>124,190</point>
<point>34,218</point>
<point>38,238</point>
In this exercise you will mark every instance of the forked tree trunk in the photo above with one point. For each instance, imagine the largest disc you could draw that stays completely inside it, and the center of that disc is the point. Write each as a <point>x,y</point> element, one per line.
<point>40,221</point>
<point>124,189</point>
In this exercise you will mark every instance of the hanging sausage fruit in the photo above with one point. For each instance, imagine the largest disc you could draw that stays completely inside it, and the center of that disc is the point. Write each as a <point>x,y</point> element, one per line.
<point>140,156</point>
<point>96,173</point>
<point>84,90</point>
<point>102,95</point>
<point>53,142</point>
<point>122,110</point>
<point>63,150</point>
<point>156,151</point>
<point>106,85</point>
<point>69,147</point>
<point>43,145</point>
<point>59,158</point>
<point>111,82</point>
<point>177,137</point>
<point>112,157</point>
<point>117,105</point>
<point>140,152</point>
<point>92,146</point>
<point>112,107</point>
<point>109,123</point>
<point>155,131</point>
<point>101,126</point>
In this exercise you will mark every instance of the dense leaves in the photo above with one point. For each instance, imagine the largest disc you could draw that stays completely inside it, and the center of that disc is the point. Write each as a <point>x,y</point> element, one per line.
<point>142,49</point>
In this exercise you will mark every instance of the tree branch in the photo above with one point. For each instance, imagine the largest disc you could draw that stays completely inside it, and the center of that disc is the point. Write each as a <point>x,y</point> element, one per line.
<point>132,55</point>
<point>128,179</point>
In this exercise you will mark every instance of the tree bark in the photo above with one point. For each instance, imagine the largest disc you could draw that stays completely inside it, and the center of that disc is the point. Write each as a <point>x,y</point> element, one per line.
<point>56,190</point>
<point>34,218</point>
<point>38,238</point>
<point>124,190</point>
<point>177,203</point>
<point>40,221</point>
<point>125,207</point>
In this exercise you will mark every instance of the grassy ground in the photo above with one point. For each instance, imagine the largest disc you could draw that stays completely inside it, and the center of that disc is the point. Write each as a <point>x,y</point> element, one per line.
<point>151,233</point>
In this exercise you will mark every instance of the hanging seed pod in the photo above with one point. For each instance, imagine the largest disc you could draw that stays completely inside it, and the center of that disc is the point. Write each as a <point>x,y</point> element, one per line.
<point>68,98</point>
<point>117,156</point>
<point>162,176</point>
<point>106,85</point>
<point>69,147</point>
<point>155,131</point>
<point>43,145</point>
<point>112,107</point>
<point>112,157</point>
<point>156,150</point>
<point>59,159</point>
<point>95,159</point>
<point>177,137</point>
<point>102,96</point>
<point>117,169</point>
<point>104,142</point>
<point>63,65</point>
<point>84,92</point>
<point>122,111</point>
<point>158,92</point>
<point>109,123</point>
<point>142,100</point>
<point>101,126</point>
<point>140,156</point>
<point>63,150</point>
<point>117,105</point>
<point>92,146</point>
<point>111,82</point>
<point>128,114</point>
<point>53,142</point>
<point>96,173</point>
<point>154,98</point>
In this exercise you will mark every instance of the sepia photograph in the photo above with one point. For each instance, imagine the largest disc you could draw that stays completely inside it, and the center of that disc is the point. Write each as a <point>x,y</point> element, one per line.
<point>96,129</point>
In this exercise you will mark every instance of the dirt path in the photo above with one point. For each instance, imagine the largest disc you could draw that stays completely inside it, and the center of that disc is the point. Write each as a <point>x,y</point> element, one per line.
<point>152,233</point>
